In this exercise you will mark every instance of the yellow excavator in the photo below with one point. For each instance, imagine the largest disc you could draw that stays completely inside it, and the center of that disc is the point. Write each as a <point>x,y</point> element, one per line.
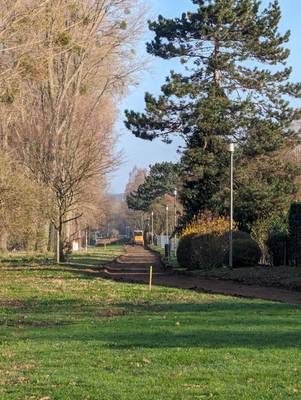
<point>138,237</point>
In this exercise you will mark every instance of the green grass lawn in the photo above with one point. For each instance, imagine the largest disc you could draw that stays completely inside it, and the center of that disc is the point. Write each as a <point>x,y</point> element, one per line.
<point>65,334</point>
<point>97,255</point>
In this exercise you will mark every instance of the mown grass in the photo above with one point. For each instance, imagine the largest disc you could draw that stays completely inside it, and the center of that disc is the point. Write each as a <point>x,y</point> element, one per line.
<point>66,334</point>
<point>97,255</point>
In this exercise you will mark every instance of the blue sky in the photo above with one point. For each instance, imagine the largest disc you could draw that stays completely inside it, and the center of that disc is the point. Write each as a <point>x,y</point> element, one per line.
<point>141,153</point>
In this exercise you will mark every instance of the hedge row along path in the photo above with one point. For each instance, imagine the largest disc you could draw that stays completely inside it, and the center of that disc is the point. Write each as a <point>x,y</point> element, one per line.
<point>134,265</point>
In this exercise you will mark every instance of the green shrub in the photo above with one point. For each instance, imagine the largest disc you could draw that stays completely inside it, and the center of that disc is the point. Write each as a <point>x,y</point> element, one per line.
<point>208,251</point>
<point>294,223</point>
<point>277,246</point>
<point>241,235</point>
<point>197,251</point>
<point>201,251</point>
<point>237,235</point>
<point>246,253</point>
<point>184,251</point>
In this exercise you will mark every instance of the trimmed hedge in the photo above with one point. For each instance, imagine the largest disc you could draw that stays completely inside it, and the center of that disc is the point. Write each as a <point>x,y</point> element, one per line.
<point>206,251</point>
<point>184,250</point>
<point>277,245</point>
<point>294,223</point>
<point>200,251</point>
<point>246,253</point>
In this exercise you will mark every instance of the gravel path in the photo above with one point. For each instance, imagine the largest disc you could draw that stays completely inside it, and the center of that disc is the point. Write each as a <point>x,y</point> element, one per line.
<point>134,266</point>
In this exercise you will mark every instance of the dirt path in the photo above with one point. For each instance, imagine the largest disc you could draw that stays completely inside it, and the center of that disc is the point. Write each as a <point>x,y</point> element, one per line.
<point>134,266</point>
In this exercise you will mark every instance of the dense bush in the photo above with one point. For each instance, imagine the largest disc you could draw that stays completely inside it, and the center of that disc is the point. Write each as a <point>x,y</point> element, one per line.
<point>208,251</point>
<point>205,251</point>
<point>200,251</point>
<point>277,246</point>
<point>294,222</point>
<point>237,235</point>
<point>184,251</point>
<point>246,253</point>
<point>207,223</point>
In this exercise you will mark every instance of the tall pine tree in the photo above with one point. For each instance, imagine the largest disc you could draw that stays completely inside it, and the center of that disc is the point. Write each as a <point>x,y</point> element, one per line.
<point>230,91</point>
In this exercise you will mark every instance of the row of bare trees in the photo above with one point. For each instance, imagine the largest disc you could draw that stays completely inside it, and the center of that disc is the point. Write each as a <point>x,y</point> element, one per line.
<point>64,66</point>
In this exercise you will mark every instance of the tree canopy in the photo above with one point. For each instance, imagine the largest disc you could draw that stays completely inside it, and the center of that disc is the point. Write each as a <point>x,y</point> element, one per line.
<point>235,87</point>
<point>162,179</point>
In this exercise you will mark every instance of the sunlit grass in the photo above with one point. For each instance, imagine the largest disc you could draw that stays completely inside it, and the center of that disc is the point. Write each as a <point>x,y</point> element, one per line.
<point>97,255</point>
<point>66,334</point>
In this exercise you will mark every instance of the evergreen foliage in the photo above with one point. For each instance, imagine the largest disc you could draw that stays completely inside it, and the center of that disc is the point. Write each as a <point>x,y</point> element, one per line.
<point>201,251</point>
<point>294,222</point>
<point>161,180</point>
<point>277,245</point>
<point>246,253</point>
<point>230,91</point>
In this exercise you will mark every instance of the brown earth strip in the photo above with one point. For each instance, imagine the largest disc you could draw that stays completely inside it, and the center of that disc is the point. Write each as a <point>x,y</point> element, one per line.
<point>134,266</point>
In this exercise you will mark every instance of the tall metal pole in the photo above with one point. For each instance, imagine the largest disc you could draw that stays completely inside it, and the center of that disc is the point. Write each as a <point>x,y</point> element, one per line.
<point>231,149</point>
<point>175,207</point>
<point>152,227</point>
<point>175,218</point>
<point>167,235</point>
<point>167,221</point>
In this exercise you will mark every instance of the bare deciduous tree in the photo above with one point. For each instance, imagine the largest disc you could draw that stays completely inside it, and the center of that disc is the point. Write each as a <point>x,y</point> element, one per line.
<point>81,63</point>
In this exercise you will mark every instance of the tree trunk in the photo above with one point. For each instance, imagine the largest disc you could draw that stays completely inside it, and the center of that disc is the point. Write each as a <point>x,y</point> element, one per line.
<point>3,241</point>
<point>58,239</point>
<point>60,254</point>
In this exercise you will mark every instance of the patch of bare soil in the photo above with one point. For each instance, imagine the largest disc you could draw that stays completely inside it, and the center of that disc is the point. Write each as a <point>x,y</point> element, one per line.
<point>12,303</point>
<point>114,312</point>
<point>20,323</point>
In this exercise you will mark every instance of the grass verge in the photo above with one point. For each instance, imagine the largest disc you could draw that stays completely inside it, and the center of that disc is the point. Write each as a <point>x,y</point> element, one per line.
<point>171,261</point>
<point>65,334</point>
<point>97,255</point>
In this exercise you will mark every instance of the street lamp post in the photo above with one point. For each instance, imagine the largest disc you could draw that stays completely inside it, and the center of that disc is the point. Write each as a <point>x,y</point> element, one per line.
<point>175,218</point>
<point>167,235</point>
<point>152,215</point>
<point>166,221</point>
<point>231,149</point>
<point>175,192</point>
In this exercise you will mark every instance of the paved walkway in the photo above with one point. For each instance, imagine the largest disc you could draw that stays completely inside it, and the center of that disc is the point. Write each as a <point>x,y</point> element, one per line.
<point>134,266</point>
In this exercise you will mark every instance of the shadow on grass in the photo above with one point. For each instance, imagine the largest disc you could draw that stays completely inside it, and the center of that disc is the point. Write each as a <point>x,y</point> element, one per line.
<point>197,337</point>
<point>90,260</point>
<point>41,314</point>
<point>161,326</point>
<point>91,272</point>
<point>241,307</point>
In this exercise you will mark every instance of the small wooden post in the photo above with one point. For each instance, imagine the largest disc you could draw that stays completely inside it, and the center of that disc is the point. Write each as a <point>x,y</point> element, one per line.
<point>150,277</point>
